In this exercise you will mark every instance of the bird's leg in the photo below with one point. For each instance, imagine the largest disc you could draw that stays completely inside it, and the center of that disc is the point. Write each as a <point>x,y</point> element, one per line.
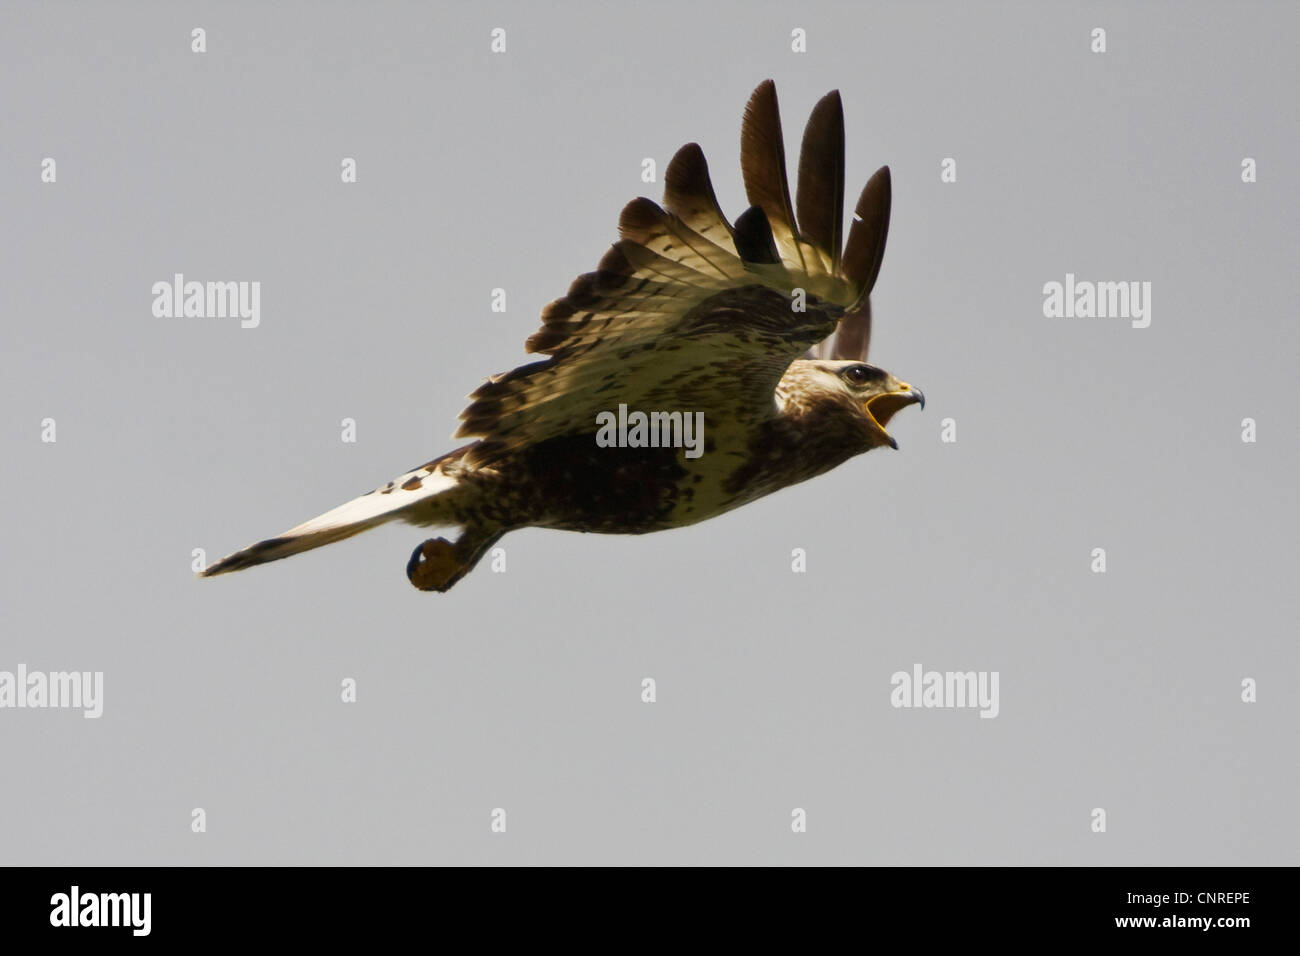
<point>437,564</point>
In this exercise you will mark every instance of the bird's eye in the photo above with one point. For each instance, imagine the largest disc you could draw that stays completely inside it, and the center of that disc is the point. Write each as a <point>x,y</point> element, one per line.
<point>860,374</point>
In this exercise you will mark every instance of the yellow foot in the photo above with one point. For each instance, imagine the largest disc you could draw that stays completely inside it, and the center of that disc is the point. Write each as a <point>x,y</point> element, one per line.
<point>434,565</point>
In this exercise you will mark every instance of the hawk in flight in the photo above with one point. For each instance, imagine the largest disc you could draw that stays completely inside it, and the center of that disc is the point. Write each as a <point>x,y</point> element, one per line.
<point>761,327</point>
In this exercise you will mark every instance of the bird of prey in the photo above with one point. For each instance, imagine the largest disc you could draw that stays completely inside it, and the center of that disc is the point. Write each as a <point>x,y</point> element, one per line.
<point>760,327</point>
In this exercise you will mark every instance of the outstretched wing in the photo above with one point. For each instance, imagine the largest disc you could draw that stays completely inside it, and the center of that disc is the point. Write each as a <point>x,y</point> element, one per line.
<point>688,312</point>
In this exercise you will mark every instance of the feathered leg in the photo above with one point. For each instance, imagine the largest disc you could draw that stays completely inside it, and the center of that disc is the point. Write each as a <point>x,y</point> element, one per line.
<point>437,564</point>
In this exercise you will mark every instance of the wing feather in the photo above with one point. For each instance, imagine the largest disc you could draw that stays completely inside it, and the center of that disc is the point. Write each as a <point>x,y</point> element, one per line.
<point>687,311</point>
<point>853,336</point>
<point>821,180</point>
<point>861,265</point>
<point>643,223</point>
<point>866,247</point>
<point>688,194</point>
<point>762,165</point>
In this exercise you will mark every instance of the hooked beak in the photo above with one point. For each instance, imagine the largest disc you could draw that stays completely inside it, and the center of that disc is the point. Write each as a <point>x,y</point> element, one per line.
<point>881,408</point>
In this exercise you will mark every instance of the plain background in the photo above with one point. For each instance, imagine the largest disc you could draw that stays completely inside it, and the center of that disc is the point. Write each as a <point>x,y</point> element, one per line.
<point>522,690</point>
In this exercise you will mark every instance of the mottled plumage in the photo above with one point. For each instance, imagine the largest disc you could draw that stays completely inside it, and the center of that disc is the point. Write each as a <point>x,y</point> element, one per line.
<point>761,326</point>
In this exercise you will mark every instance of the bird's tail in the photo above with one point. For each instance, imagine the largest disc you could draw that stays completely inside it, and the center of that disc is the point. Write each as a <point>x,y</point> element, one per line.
<point>419,496</point>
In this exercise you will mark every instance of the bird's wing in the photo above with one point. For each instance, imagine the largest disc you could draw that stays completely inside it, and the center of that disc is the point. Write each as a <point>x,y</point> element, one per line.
<point>688,312</point>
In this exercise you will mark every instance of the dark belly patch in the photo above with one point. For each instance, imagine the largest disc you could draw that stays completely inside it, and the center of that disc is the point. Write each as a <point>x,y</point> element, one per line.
<point>574,484</point>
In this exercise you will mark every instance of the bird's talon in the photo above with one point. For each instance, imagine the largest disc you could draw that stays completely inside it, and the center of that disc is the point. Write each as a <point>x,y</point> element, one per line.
<point>434,565</point>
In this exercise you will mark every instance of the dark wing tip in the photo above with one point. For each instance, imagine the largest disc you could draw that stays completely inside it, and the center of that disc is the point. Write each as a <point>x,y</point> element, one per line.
<point>762,158</point>
<point>640,219</point>
<point>688,193</point>
<point>686,180</point>
<point>880,183</point>
<point>754,241</point>
<point>829,105</point>
<point>866,246</point>
<point>251,556</point>
<point>819,200</point>
<point>685,166</point>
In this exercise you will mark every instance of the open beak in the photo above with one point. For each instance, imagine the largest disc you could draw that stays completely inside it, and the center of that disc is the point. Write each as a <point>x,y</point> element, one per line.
<point>883,407</point>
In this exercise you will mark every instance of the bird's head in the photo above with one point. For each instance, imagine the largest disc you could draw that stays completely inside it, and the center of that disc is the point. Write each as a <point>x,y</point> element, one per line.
<point>870,395</point>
